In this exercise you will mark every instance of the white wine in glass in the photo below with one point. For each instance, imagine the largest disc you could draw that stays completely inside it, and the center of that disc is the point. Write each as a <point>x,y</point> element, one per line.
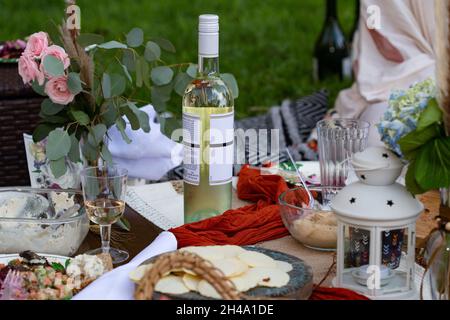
<point>104,211</point>
<point>104,190</point>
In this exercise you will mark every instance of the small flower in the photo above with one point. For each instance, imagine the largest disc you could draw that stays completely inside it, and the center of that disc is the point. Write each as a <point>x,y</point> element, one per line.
<point>403,113</point>
<point>29,70</point>
<point>57,52</point>
<point>58,91</point>
<point>37,44</point>
<point>38,152</point>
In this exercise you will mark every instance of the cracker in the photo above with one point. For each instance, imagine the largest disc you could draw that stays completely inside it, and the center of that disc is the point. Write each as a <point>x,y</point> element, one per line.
<point>257,259</point>
<point>171,285</point>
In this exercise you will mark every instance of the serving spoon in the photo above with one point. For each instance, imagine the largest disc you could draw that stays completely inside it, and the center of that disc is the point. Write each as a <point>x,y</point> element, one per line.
<point>310,197</point>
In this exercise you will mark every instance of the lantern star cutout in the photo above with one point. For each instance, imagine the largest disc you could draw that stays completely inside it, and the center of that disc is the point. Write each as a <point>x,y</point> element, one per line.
<point>363,177</point>
<point>352,200</point>
<point>385,155</point>
<point>390,203</point>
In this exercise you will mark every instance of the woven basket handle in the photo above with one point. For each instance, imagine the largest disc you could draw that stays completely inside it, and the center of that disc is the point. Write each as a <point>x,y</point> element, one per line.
<point>189,261</point>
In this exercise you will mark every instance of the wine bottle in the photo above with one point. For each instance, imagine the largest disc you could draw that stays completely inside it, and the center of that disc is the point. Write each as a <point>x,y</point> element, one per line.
<point>331,53</point>
<point>208,121</point>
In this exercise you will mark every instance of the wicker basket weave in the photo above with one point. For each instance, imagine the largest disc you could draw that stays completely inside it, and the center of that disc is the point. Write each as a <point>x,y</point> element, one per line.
<point>189,261</point>
<point>19,114</point>
<point>11,85</point>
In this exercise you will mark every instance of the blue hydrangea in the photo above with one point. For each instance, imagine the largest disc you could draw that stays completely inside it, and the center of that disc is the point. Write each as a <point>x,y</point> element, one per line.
<point>405,107</point>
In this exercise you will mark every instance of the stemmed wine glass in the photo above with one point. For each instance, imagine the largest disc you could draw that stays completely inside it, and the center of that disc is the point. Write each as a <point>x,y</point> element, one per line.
<point>104,190</point>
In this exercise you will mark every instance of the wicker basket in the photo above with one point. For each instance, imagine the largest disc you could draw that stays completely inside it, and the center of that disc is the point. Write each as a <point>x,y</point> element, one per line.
<point>11,85</point>
<point>19,114</point>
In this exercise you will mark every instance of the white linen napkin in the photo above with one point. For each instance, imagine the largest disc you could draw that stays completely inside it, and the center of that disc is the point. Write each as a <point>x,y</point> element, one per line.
<point>116,284</point>
<point>149,155</point>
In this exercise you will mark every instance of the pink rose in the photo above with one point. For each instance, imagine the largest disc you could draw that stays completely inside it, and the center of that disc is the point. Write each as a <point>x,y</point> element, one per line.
<point>29,70</point>
<point>36,45</point>
<point>57,90</point>
<point>59,53</point>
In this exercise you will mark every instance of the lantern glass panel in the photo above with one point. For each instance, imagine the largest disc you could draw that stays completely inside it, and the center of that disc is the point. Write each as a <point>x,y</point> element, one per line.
<point>357,251</point>
<point>396,258</point>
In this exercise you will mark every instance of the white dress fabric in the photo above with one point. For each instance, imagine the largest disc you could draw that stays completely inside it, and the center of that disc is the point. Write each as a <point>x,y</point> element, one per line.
<point>149,155</point>
<point>395,56</point>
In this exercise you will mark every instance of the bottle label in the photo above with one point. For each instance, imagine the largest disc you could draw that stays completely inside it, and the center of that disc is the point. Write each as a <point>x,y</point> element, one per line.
<point>192,126</point>
<point>221,148</point>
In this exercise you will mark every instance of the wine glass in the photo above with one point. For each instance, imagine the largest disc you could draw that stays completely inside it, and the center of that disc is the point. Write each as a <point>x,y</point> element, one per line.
<point>104,190</point>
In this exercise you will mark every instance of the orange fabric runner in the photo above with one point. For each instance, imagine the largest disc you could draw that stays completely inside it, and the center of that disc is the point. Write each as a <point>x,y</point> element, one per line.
<point>251,224</point>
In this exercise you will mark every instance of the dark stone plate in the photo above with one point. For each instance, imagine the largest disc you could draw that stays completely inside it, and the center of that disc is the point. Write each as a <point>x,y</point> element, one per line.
<point>299,287</point>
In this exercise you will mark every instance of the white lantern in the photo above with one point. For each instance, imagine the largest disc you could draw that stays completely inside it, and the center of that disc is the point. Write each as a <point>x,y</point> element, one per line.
<point>376,229</point>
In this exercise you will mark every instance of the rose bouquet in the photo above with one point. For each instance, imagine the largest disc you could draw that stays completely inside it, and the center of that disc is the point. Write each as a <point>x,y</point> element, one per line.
<point>92,85</point>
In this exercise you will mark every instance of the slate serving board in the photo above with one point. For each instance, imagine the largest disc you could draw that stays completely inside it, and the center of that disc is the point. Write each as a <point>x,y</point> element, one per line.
<point>299,287</point>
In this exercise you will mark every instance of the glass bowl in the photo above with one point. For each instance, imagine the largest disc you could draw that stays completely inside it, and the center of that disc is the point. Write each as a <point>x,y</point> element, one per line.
<point>315,228</point>
<point>42,220</point>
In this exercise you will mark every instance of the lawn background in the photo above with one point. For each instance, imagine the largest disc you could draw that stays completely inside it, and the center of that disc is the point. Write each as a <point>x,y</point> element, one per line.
<point>266,44</point>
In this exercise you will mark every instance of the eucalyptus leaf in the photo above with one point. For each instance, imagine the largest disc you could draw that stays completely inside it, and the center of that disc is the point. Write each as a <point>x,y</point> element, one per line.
<point>109,114</point>
<point>123,224</point>
<point>74,152</point>
<point>42,131</point>
<point>431,115</point>
<point>48,107</point>
<point>56,119</point>
<point>88,39</point>
<point>129,60</point>
<point>231,83</point>
<point>181,82</point>
<point>161,75</point>
<point>165,44</point>
<point>143,118</point>
<point>135,37</point>
<point>106,86</point>
<point>121,125</point>
<point>145,69</point>
<point>112,45</point>
<point>53,66</point>
<point>58,144</point>
<point>81,117</point>
<point>432,168</point>
<point>131,116</point>
<point>192,70</point>
<point>74,83</point>
<point>40,90</point>
<point>118,84</point>
<point>126,72</point>
<point>162,93</point>
<point>152,51</point>
<point>97,134</point>
<point>58,167</point>
<point>89,151</point>
<point>106,155</point>
<point>139,78</point>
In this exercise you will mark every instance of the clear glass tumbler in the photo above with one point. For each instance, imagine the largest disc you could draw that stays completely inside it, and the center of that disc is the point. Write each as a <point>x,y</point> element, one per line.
<point>338,139</point>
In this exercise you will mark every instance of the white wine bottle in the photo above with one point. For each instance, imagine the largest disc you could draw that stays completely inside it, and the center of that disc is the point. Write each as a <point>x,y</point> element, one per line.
<point>208,120</point>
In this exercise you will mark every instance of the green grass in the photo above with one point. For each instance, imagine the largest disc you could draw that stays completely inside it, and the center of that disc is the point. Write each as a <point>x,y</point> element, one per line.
<point>266,44</point>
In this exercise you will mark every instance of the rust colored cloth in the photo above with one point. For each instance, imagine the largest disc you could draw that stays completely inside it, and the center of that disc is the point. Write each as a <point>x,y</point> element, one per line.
<point>252,224</point>
<point>322,293</point>
<point>247,225</point>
